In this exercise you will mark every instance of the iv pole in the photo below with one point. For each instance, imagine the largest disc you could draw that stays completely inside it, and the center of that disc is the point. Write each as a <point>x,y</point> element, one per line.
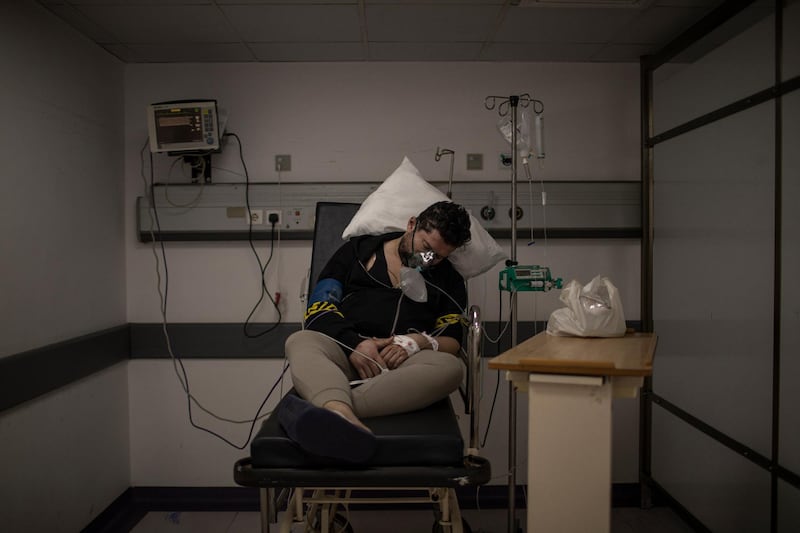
<point>507,105</point>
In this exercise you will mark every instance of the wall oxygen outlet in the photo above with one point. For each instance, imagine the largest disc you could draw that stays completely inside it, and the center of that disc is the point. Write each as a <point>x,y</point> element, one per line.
<point>504,161</point>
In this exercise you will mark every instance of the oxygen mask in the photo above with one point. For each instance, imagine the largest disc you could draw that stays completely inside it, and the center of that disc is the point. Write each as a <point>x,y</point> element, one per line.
<point>411,281</point>
<point>421,260</point>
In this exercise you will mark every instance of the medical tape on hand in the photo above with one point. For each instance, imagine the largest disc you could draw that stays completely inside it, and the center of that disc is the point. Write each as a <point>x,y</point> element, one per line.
<point>433,342</point>
<point>407,343</point>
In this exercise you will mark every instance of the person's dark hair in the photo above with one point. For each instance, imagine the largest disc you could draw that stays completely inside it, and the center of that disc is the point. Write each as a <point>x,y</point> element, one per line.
<point>450,219</point>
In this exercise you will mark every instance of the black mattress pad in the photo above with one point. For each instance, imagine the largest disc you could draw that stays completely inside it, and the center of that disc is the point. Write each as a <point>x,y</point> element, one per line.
<point>427,437</point>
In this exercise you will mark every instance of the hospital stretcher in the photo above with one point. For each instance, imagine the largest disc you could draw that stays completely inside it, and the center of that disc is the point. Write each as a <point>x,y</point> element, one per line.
<point>420,457</point>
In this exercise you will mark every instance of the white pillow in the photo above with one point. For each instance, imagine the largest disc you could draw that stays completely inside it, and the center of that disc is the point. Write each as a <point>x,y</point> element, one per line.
<point>406,194</point>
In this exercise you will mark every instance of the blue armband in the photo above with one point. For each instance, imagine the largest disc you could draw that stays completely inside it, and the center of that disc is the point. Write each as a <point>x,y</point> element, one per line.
<point>327,290</point>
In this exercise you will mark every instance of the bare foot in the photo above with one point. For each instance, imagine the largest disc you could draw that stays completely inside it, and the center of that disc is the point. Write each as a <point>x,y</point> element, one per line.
<point>343,409</point>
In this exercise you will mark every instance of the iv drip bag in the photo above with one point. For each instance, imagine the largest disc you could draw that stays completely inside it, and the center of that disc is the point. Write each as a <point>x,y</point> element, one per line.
<point>538,126</point>
<point>523,130</point>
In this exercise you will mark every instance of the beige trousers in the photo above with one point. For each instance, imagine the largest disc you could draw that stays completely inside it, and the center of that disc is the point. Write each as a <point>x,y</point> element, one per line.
<point>321,372</point>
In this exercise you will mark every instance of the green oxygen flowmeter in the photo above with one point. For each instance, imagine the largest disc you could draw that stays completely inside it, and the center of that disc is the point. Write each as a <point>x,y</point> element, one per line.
<point>519,278</point>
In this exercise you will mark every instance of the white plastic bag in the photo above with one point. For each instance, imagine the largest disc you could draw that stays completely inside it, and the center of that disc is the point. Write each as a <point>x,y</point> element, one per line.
<point>594,310</point>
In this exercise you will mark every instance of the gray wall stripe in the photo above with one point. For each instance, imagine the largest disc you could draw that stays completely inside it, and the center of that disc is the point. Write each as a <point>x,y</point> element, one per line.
<point>27,375</point>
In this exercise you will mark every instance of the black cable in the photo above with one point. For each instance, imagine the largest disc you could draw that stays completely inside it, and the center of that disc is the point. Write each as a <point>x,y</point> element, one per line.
<point>166,283</point>
<point>264,289</point>
<point>185,382</point>
<point>262,268</point>
<point>255,418</point>
<point>497,383</point>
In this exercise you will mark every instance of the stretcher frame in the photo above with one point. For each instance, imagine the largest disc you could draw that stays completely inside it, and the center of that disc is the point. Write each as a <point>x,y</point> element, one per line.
<point>314,495</point>
<point>323,491</point>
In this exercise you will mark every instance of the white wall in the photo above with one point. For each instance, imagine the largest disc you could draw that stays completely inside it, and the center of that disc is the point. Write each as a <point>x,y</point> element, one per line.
<point>63,265</point>
<point>355,122</point>
<point>64,456</point>
<point>165,449</point>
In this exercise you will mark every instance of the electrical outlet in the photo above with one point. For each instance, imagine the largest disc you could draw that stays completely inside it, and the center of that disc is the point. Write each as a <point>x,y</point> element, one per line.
<point>283,163</point>
<point>272,214</point>
<point>256,216</point>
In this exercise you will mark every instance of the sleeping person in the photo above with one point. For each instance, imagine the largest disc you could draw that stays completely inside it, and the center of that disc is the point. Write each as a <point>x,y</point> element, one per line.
<point>381,335</point>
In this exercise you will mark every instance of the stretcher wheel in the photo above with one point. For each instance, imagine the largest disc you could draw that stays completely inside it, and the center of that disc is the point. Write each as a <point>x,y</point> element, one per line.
<point>439,528</point>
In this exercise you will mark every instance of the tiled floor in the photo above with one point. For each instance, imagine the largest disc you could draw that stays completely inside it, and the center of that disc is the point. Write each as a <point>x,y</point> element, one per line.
<point>623,520</point>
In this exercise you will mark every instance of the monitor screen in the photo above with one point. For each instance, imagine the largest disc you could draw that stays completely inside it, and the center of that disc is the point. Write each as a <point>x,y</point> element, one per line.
<point>189,126</point>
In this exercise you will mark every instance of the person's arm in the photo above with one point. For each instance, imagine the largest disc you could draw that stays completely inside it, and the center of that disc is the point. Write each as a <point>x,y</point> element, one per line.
<point>446,344</point>
<point>441,343</point>
<point>449,321</point>
<point>323,313</point>
<point>448,326</point>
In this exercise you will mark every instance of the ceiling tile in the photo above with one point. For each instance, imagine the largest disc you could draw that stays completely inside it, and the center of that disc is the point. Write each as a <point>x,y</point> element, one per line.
<point>121,52</point>
<point>308,51</point>
<point>296,23</point>
<point>150,3</point>
<point>396,30</point>
<point>264,2</point>
<point>622,53</point>
<point>424,51</point>
<point>185,53</point>
<point>688,3</point>
<point>82,23</point>
<point>659,25</point>
<point>563,25</point>
<point>460,2</point>
<point>566,52</point>
<point>167,24</point>
<point>430,23</point>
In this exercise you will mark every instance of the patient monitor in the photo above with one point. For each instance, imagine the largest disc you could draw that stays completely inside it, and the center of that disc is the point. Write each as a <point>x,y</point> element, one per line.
<point>185,126</point>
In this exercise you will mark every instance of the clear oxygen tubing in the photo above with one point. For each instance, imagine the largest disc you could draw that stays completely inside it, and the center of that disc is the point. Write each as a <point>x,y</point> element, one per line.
<point>538,126</point>
<point>529,175</point>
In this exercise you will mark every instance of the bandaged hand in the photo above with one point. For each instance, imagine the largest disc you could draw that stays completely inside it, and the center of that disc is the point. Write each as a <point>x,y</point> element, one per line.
<point>400,348</point>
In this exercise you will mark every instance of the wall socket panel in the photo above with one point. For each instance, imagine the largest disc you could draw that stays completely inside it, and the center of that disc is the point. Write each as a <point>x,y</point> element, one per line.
<point>283,163</point>
<point>270,212</point>
<point>256,216</point>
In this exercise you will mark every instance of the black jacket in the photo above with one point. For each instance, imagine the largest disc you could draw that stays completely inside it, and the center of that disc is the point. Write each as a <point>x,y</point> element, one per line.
<point>366,303</point>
